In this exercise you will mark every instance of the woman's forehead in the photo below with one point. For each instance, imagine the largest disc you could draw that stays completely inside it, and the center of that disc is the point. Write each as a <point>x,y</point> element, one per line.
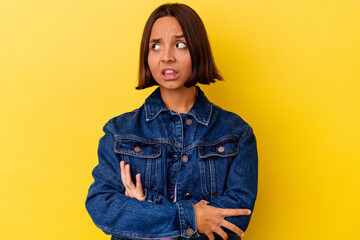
<point>165,26</point>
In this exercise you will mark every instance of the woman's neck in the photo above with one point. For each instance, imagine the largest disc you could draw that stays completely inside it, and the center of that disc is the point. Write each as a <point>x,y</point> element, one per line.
<point>179,100</point>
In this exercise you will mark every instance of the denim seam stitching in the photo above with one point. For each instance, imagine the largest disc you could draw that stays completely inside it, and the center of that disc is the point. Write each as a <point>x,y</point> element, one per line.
<point>135,235</point>
<point>203,178</point>
<point>138,155</point>
<point>150,117</point>
<point>135,138</point>
<point>178,205</point>
<point>212,178</point>
<point>206,144</point>
<point>211,154</point>
<point>158,171</point>
<point>207,117</point>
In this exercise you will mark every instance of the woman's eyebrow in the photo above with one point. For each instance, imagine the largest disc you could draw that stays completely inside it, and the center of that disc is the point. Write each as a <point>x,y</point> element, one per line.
<point>156,40</point>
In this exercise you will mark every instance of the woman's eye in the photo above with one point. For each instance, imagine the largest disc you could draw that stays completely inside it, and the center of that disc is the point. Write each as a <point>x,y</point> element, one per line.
<point>155,47</point>
<point>181,45</point>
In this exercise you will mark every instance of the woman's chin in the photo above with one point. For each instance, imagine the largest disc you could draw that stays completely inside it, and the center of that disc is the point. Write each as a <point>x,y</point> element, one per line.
<point>171,86</point>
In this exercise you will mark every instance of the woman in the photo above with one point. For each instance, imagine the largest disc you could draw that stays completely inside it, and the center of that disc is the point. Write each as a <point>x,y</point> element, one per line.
<point>179,165</point>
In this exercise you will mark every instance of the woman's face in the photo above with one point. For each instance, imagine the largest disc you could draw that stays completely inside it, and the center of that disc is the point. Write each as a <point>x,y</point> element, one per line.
<point>169,57</point>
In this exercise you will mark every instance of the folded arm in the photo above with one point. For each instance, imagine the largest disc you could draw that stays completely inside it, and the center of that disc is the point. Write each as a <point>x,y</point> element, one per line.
<point>117,214</point>
<point>241,184</point>
<point>239,196</point>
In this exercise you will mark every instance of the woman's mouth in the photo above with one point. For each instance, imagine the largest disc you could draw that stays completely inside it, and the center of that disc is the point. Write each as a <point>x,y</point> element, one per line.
<point>170,74</point>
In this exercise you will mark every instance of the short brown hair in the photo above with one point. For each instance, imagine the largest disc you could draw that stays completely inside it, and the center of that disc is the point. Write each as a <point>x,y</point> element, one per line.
<point>204,70</point>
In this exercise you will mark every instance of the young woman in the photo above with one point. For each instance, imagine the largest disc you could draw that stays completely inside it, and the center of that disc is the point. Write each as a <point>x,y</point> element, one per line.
<point>179,166</point>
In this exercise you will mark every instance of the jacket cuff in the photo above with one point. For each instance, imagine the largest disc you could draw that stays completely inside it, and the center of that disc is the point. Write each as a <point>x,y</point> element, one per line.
<point>187,219</point>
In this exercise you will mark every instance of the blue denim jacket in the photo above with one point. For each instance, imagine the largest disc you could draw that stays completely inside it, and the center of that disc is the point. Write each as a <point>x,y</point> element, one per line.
<point>208,153</point>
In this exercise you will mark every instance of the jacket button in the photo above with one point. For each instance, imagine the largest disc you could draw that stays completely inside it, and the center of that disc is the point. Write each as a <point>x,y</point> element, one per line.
<point>188,122</point>
<point>187,197</point>
<point>185,159</point>
<point>137,149</point>
<point>189,231</point>
<point>221,149</point>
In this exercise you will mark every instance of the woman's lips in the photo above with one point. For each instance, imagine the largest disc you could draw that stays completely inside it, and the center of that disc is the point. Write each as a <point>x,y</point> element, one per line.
<point>169,74</point>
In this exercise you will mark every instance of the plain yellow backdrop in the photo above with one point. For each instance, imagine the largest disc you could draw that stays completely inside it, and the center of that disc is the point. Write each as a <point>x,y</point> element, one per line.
<point>291,69</point>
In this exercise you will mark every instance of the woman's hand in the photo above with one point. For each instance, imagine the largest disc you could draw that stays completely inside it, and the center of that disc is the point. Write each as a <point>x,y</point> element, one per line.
<point>210,219</point>
<point>130,189</point>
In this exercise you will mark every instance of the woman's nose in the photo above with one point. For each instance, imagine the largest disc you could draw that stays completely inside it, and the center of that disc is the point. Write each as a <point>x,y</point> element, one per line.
<point>168,55</point>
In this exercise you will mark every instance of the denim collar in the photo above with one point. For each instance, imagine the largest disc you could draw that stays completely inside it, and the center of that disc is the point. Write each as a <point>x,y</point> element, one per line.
<point>201,110</point>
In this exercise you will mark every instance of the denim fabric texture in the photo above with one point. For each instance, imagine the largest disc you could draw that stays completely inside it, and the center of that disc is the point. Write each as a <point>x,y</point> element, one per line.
<point>208,153</point>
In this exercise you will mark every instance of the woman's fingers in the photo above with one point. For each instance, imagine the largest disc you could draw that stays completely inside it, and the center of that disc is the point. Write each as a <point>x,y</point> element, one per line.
<point>210,219</point>
<point>131,190</point>
<point>210,236</point>
<point>138,183</point>
<point>139,190</point>
<point>122,171</point>
<point>221,233</point>
<point>126,176</point>
<point>128,180</point>
<point>204,202</point>
<point>232,227</point>
<point>234,212</point>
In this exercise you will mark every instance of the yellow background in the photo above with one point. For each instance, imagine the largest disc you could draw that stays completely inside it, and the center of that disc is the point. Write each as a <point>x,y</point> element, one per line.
<point>292,71</point>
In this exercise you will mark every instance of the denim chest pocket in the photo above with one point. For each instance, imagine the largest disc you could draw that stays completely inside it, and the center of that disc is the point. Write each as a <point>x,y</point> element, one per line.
<point>215,161</point>
<point>144,158</point>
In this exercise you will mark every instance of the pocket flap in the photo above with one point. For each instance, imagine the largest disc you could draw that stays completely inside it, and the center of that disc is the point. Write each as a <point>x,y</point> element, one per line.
<point>137,148</point>
<point>225,148</point>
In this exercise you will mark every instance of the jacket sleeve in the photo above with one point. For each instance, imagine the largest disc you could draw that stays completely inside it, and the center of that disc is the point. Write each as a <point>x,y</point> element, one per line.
<point>241,183</point>
<point>119,215</point>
